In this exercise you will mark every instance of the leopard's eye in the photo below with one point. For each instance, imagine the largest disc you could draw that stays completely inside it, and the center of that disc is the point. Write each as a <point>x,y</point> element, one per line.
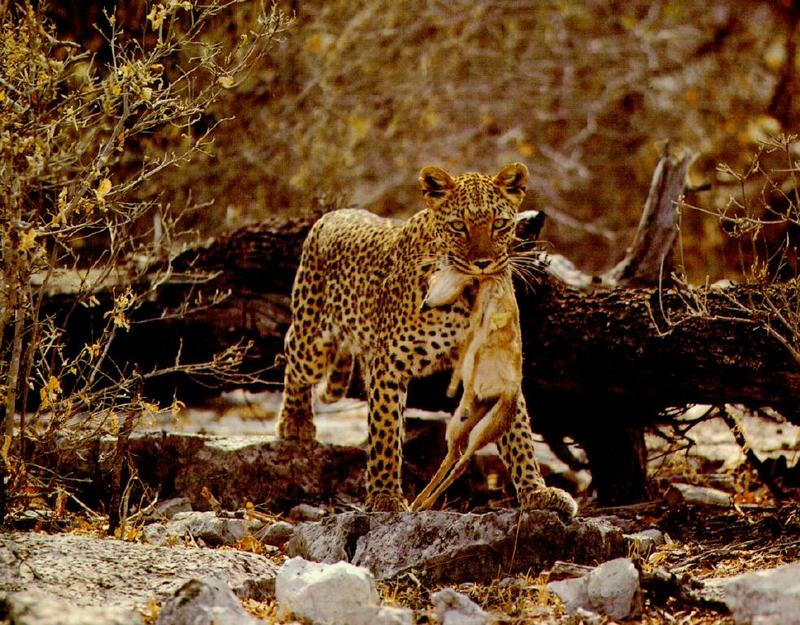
<point>501,223</point>
<point>456,225</point>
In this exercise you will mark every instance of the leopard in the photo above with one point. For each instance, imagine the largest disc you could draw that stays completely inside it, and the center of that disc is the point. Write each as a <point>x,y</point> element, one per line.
<point>358,298</point>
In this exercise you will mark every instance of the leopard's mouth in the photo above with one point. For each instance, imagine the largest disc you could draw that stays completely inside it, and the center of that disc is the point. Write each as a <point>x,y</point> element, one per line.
<point>481,267</point>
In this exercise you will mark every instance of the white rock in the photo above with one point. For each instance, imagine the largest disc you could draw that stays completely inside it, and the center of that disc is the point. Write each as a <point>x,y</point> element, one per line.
<point>454,608</point>
<point>700,495</point>
<point>765,597</point>
<point>327,594</point>
<point>155,534</point>
<point>611,589</point>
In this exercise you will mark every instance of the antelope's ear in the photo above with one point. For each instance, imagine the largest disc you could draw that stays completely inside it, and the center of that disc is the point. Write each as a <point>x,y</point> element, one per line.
<point>512,179</point>
<point>436,184</point>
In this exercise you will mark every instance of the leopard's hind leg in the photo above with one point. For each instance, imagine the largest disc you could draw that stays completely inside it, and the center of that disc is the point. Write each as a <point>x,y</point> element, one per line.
<point>307,360</point>
<point>337,377</point>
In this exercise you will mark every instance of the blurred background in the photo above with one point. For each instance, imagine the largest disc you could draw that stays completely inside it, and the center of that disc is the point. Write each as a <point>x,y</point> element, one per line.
<point>355,97</point>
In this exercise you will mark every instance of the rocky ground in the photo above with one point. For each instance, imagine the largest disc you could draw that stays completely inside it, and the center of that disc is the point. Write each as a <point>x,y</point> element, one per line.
<point>713,545</point>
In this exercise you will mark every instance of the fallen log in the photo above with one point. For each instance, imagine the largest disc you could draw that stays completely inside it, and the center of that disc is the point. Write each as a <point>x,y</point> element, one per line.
<point>636,346</point>
<point>599,364</point>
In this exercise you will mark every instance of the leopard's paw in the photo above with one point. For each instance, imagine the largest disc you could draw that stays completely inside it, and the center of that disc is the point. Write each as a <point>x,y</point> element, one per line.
<point>547,498</point>
<point>386,501</point>
<point>296,430</point>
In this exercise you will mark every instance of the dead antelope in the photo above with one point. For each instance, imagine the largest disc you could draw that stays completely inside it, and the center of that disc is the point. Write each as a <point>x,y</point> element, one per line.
<point>490,367</point>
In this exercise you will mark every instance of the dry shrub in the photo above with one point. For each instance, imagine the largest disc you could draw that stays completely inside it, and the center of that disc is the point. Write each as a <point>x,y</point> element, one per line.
<point>761,217</point>
<point>363,94</point>
<point>81,143</point>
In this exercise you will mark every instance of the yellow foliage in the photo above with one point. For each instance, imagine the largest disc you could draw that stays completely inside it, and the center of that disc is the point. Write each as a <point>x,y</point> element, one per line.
<point>101,191</point>
<point>50,392</point>
<point>27,240</point>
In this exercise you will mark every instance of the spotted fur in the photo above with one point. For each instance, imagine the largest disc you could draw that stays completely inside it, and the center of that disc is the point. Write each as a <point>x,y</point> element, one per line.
<point>359,294</point>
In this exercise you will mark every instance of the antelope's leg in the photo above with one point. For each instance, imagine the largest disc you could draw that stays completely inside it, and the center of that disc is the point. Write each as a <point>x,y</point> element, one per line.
<point>491,427</point>
<point>454,472</point>
<point>423,500</point>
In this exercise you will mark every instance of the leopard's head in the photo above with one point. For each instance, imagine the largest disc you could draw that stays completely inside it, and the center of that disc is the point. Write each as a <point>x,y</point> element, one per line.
<point>474,215</point>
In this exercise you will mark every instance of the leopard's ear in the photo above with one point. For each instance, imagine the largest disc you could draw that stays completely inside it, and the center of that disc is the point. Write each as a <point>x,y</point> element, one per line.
<point>436,184</point>
<point>512,180</point>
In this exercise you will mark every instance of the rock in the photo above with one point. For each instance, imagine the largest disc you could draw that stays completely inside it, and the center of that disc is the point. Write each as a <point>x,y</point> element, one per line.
<point>307,512</point>
<point>381,615</point>
<point>454,608</point>
<point>771,595</point>
<point>332,540</point>
<point>587,617</point>
<point>611,589</point>
<point>170,507</point>
<point>204,602</point>
<point>156,534</point>
<point>40,608</point>
<point>104,572</point>
<point>567,570</point>
<point>192,465</point>
<point>644,543</point>
<point>450,547</point>
<point>204,527</point>
<point>700,495</point>
<point>276,534</point>
<point>332,594</point>
<point>208,527</point>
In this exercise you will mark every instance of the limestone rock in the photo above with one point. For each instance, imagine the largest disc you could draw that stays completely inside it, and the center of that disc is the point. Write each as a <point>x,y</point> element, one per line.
<point>454,547</point>
<point>103,572</point>
<point>40,608</point>
<point>770,595</point>
<point>324,593</point>
<point>454,608</point>
<point>204,602</point>
<point>611,589</point>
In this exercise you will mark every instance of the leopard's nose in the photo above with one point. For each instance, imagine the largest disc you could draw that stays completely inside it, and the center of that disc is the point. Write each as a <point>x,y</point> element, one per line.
<point>482,263</point>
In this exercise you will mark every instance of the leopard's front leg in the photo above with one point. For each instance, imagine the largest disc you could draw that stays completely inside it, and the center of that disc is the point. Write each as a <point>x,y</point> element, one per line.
<point>387,403</point>
<point>516,451</point>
